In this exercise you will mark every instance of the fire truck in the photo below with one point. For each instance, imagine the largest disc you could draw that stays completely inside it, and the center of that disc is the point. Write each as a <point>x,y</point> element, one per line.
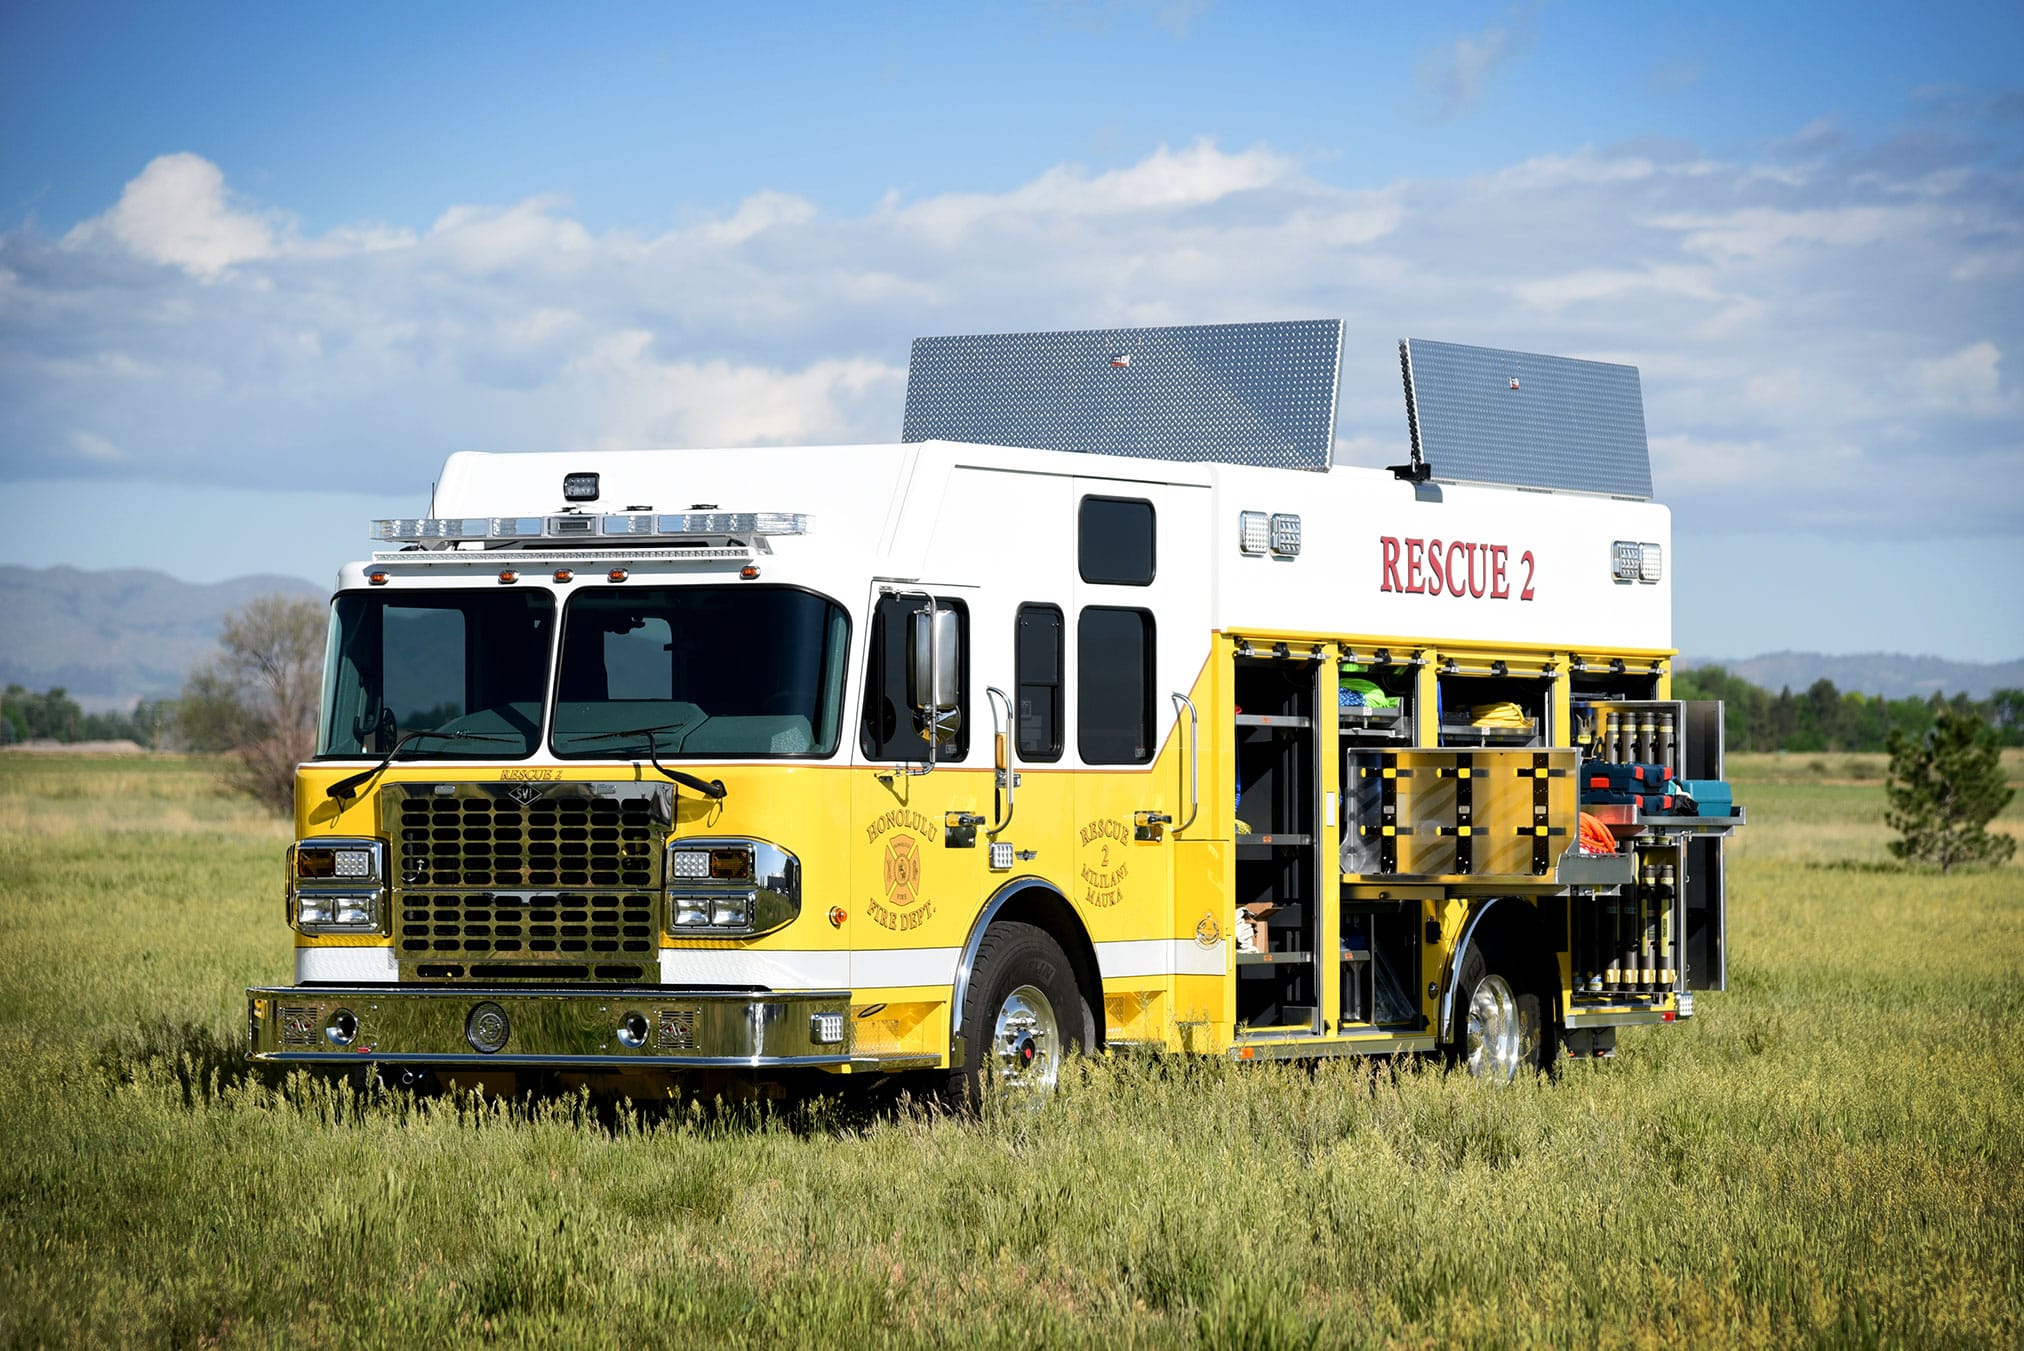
<point>1100,710</point>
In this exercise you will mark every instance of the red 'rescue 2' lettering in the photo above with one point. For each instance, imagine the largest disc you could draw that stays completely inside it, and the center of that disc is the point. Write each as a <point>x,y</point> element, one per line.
<point>1421,567</point>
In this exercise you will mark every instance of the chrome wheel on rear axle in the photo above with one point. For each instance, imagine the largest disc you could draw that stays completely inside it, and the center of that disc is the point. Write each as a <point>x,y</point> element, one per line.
<point>1493,1043</point>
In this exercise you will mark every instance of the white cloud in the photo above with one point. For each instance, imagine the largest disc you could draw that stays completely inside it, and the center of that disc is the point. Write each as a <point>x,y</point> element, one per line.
<point>1757,231</point>
<point>1455,75</point>
<point>643,401</point>
<point>1166,180</point>
<point>95,448</point>
<point>176,212</point>
<point>1966,381</point>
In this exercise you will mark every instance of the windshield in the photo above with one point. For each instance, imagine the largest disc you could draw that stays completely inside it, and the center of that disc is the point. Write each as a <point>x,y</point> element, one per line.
<point>700,671</point>
<point>470,662</point>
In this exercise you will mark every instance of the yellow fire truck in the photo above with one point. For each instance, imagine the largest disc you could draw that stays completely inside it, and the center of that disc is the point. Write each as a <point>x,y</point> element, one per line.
<point>1100,710</point>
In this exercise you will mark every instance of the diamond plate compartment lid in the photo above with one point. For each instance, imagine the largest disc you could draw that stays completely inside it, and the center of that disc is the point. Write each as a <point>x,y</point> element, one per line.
<point>1259,394</point>
<point>1485,415</point>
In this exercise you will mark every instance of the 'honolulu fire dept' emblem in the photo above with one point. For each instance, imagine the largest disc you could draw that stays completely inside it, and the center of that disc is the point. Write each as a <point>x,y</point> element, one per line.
<point>898,839</point>
<point>903,871</point>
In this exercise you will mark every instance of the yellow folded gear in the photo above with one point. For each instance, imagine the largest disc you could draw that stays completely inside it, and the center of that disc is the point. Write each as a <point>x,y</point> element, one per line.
<point>1503,713</point>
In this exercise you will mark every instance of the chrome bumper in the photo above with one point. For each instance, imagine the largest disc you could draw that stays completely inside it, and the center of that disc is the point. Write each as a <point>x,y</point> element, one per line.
<point>546,1028</point>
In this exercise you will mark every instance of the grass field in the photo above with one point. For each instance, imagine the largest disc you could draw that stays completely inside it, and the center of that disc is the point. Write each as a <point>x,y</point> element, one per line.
<point>1832,1152</point>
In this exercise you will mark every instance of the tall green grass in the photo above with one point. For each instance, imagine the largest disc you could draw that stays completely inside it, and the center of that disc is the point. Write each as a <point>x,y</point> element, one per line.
<point>1828,1153</point>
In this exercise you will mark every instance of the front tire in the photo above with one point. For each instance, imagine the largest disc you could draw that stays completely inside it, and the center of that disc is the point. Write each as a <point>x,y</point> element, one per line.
<point>1499,1031</point>
<point>1023,1015</point>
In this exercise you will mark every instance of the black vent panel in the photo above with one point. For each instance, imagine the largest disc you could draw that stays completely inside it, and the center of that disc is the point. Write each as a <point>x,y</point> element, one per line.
<point>555,926</point>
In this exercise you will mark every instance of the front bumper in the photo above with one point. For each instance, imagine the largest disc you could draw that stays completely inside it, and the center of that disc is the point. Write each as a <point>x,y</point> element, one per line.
<point>522,1028</point>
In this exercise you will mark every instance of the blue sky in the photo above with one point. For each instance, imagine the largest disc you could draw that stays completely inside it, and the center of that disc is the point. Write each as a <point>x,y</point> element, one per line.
<point>262,268</point>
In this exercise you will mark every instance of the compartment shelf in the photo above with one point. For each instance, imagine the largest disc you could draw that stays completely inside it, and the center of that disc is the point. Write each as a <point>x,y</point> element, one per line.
<point>1277,720</point>
<point>1274,958</point>
<point>1260,846</point>
<point>1464,733</point>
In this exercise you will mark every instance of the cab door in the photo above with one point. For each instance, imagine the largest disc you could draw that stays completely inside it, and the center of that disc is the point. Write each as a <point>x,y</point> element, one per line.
<point>920,792</point>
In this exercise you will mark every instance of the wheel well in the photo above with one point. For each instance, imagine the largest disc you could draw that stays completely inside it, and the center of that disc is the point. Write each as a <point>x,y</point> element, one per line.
<point>1513,928</point>
<point>1044,908</point>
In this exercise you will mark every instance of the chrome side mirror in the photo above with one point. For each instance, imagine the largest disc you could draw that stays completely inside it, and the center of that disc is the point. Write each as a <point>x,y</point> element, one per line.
<point>934,664</point>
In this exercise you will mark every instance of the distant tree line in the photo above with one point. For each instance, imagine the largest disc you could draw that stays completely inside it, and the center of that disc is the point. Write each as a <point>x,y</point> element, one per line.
<point>54,716</point>
<point>1824,718</point>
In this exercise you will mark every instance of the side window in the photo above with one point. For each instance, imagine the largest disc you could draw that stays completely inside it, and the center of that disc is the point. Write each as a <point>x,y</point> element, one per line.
<point>890,730</point>
<point>1037,668</point>
<point>1114,541</point>
<point>1114,696</point>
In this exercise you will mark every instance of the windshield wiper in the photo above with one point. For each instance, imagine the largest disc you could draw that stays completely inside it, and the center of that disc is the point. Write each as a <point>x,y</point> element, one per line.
<point>712,789</point>
<point>342,789</point>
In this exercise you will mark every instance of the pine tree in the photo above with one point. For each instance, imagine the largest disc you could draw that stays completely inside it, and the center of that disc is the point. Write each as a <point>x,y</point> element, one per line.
<point>1944,789</point>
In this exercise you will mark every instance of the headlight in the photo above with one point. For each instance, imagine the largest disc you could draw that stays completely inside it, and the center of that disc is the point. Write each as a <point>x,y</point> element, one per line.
<point>731,886</point>
<point>336,885</point>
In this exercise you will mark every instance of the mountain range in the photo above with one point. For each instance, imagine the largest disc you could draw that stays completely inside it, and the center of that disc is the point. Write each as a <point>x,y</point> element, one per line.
<point>1890,674</point>
<point>111,637</point>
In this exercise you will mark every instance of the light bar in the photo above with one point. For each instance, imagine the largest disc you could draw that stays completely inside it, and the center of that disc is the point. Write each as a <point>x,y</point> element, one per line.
<point>629,525</point>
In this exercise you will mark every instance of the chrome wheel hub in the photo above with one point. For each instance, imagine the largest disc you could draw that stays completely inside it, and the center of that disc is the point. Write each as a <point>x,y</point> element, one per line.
<point>1026,1041</point>
<point>1494,1041</point>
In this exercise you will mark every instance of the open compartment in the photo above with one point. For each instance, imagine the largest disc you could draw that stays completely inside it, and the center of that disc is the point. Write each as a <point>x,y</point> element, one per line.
<point>1633,731</point>
<point>1380,964</point>
<point>1277,810</point>
<point>1494,710</point>
<point>1377,700</point>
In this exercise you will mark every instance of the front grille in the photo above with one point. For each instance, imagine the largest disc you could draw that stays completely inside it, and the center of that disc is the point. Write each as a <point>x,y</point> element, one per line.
<point>551,841</point>
<point>555,882</point>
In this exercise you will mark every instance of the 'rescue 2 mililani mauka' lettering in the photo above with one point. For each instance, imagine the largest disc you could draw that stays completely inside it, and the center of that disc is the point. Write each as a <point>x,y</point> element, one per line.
<point>1423,567</point>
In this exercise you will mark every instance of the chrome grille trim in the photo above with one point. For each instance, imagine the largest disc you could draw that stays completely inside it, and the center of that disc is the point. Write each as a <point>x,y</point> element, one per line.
<point>564,873</point>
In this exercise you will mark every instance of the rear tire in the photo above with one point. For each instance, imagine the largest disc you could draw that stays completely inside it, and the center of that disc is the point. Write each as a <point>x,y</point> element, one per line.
<point>1499,1028</point>
<point>1023,1015</point>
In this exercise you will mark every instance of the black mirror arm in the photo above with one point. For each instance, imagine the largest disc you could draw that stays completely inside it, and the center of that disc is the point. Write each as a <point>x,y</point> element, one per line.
<point>713,789</point>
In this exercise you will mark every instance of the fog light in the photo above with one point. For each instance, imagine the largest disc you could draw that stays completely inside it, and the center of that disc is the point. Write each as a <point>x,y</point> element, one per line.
<point>341,1027</point>
<point>826,1029</point>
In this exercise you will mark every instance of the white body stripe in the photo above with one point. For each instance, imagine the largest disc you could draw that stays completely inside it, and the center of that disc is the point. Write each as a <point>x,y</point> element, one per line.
<point>1158,957</point>
<point>352,966</point>
<point>770,970</point>
<point>917,966</point>
<point>786,970</point>
<point>804,970</point>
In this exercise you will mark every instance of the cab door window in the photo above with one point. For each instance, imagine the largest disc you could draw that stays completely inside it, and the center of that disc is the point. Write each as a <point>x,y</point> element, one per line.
<point>1037,667</point>
<point>891,730</point>
<point>1114,685</point>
